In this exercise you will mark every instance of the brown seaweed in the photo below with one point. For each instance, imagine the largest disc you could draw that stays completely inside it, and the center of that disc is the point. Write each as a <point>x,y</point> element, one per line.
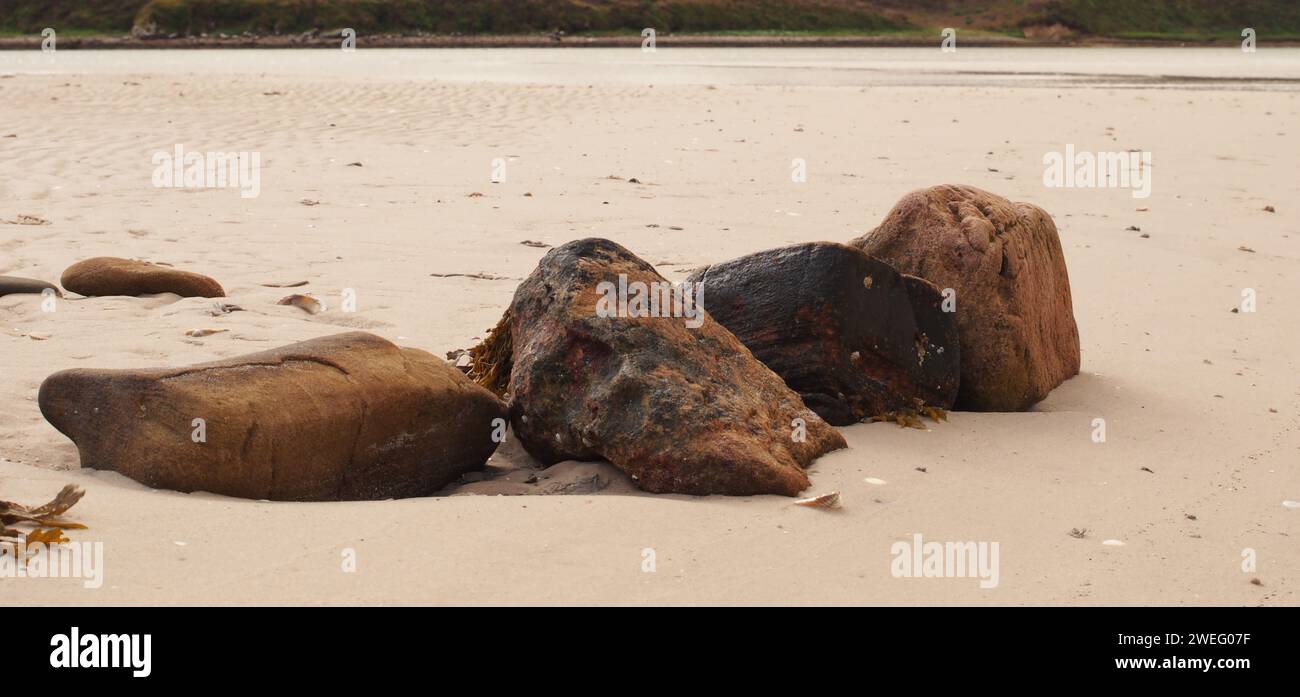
<point>910,417</point>
<point>490,361</point>
<point>47,521</point>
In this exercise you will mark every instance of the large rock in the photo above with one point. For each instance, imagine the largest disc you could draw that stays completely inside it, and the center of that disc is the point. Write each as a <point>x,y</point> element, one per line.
<point>13,285</point>
<point>1004,261</point>
<point>114,276</point>
<point>851,335</point>
<point>676,402</point>
<point>343,417</point>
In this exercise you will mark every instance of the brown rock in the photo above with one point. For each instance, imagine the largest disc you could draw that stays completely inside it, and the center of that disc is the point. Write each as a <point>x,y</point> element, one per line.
<point>1004,260</point>
<point>343,417</point>
<point>113,276</point>
<point>680,409</point>
<point>851,335</point>
<point>13,285</point>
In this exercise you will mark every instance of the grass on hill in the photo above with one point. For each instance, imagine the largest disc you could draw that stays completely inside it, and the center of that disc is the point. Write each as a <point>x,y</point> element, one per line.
<point>1138,19</point>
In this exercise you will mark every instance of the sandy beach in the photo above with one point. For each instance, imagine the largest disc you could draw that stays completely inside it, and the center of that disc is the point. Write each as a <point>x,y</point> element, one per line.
<point>377,177</point>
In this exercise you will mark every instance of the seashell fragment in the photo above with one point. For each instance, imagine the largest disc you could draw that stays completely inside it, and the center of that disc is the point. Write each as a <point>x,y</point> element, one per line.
<point>307,303</point>
<point>218,309</point>
<point>831,500</point>
<point>204,332</point>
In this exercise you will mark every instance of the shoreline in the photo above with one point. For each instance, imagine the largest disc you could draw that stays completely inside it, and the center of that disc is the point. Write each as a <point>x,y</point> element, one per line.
<point>331,41</point>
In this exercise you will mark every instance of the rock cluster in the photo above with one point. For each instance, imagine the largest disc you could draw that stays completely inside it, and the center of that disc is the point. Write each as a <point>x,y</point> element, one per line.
<point>727,383</point>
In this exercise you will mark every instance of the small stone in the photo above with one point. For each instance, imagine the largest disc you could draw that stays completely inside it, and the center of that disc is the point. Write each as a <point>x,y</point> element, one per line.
<point>102,276</point>
<point>14,285</point>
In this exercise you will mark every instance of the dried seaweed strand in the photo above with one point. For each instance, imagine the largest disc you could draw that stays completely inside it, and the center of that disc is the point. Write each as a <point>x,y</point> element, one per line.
<point>910,417</point>
<point>47,520</point>
<point>490,361</point>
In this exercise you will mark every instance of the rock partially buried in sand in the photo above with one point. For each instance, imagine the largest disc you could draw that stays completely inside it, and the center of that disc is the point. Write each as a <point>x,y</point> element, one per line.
<point>1005,264</point>
<point>851,335</point>
<point>680,409</point>
<point>14,285</point>
<point>344,417</point>
<point>113,276</point>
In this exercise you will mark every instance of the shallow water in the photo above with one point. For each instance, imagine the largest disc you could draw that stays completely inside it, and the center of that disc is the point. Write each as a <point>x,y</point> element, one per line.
<point>1275,69</point>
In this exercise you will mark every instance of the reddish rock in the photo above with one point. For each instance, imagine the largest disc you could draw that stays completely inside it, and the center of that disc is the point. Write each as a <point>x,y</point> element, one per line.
<point>113,276</point>
<point>851,335</point>
<point>680,409</point>
<point>1005,264</point>
<point>343,417</point>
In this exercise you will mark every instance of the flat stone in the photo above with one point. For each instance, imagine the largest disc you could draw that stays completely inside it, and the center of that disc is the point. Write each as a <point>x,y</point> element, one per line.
<point>113,276</point>
<point>343,417</point>
<point>15,285</point>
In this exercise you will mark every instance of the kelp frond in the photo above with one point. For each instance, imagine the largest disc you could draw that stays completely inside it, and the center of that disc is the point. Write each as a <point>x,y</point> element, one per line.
<point>490,361</point>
